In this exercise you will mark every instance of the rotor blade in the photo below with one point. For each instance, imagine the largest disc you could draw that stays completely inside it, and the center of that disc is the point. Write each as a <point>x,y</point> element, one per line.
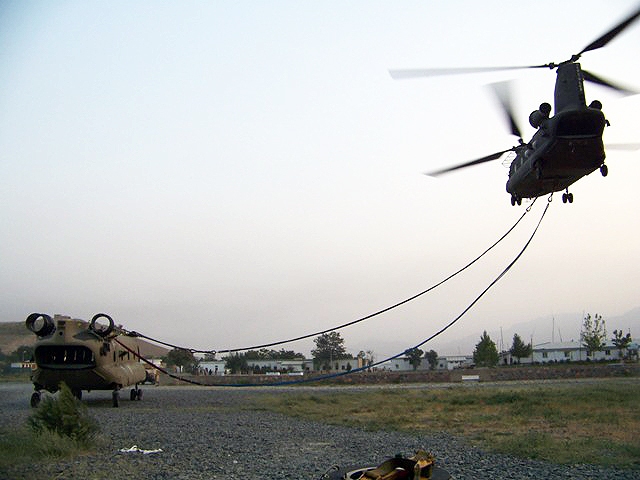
<point>503,92</point>
<point>488,158</point>
<point>606,83</point>
<point>628,147</point>
<point>399,74</point>
<point>611,34</point>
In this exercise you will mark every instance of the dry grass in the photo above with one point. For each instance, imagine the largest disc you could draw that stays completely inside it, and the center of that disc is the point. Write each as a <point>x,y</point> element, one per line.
<point>577,422</point>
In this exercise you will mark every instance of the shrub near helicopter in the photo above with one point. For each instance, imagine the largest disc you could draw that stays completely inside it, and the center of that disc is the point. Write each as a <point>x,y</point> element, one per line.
<point>566,146</point>
<point>85,356</point>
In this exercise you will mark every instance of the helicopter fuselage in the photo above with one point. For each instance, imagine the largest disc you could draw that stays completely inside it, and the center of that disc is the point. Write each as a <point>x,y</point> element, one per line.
<point>565,148</point>
<point>84,358</point>
<point>568,147</point>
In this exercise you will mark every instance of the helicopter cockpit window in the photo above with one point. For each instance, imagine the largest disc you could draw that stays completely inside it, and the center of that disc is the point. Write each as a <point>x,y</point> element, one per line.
<point>64,356</point>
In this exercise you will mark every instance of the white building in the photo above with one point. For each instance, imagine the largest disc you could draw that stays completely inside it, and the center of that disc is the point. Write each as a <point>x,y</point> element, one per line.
<point>283,366</point>
<point>212,367</point>
<point>451,362</point>
<point>556,352</point>
<point>400,364</point>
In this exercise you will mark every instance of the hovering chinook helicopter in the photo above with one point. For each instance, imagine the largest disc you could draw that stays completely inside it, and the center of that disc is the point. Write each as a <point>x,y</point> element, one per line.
<point>84,355</point>
<point>567,145</point>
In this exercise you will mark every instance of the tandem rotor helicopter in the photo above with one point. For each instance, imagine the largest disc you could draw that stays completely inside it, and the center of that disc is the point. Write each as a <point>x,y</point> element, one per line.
<point>84,355</point>
<point>567,145</point>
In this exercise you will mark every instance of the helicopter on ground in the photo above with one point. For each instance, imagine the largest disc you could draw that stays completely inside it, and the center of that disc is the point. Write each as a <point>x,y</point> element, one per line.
<point>85,356</point>
<point>567,145</point>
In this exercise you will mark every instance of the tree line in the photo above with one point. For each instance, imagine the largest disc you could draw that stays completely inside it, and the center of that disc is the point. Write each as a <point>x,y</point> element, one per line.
<point>593,336</point>
<point>330,347</point>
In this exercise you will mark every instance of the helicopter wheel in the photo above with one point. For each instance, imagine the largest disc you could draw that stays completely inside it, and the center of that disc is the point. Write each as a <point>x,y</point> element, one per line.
<point>115,397</point>
<point>567,197</point>
<point>136,394</point>
<point>35,399</point>
<point>515,200</point>
<point>604,170</point>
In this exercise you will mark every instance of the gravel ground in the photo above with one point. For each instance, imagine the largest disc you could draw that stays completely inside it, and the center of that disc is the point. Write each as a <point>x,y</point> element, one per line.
<point>203,436</point>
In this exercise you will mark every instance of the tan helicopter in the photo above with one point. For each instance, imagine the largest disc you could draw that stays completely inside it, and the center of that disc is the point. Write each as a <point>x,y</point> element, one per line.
<point>85,356</point>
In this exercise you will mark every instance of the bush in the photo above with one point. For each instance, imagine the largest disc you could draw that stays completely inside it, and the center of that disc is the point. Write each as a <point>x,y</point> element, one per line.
<point>64,415</point>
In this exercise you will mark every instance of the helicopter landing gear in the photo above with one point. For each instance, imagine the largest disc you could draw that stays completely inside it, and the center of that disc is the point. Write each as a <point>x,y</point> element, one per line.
<point>115,397</point>
<point>77,393</point>
<point>515,200</point>
<point>567,197</point>
<point>135,394</point>
<point>35,399</point>
<point>604,170</point>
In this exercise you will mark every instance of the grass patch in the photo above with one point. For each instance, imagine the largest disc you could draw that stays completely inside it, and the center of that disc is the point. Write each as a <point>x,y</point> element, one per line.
<point>59,428</point>
<point>26,446</point>
<point>584,422</point>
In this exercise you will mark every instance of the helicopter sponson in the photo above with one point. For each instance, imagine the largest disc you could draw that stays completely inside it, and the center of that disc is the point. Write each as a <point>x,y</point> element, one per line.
<point>84,355</point>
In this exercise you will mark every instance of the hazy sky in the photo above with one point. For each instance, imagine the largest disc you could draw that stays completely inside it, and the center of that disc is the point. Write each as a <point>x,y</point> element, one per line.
<point>221,174</point>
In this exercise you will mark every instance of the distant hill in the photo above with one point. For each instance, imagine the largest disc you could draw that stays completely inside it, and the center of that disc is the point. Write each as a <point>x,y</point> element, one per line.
<point>15,334</point>
<point>552,327</point>
<point>558,327</point>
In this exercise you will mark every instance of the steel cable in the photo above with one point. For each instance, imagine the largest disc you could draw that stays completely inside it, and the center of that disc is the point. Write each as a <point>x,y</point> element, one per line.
<point>375,364</point>
<point>353,322</point>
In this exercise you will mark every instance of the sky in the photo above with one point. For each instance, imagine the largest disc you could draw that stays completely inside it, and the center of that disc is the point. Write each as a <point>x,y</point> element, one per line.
<point>225,174</point>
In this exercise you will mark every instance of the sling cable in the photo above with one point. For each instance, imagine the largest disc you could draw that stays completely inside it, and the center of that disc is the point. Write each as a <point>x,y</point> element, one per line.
<point>360,369</point>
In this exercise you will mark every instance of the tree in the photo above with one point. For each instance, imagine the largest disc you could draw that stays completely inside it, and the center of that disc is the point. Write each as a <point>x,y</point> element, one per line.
<point>265,354</point>
<point>593,334</point>
<point>485,353</point>
<point>415,357</point>
<point>181,358</point>
<point>621,341</point>
<point>432,358</point>
<point>329,347</point>
<point>236,363</point>
<point>24,353</point>
<point>519,349</point>
<point>366,358</point>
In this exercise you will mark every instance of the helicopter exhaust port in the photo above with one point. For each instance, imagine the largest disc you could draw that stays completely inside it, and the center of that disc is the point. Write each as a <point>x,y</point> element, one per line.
<point>41,324</point>
<point>99,328</point>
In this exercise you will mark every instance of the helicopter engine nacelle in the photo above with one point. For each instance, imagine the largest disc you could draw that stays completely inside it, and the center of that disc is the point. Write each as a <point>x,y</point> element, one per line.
<point>41,324</point>
<point>538,116</point>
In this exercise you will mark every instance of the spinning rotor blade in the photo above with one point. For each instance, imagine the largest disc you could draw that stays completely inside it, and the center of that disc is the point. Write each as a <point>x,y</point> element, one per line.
<point>503,92</point>
<point>606,83</point>
<point>611,34</point>
<point>488,158</point>
<point>400,74</point>
<point>624,147</point>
